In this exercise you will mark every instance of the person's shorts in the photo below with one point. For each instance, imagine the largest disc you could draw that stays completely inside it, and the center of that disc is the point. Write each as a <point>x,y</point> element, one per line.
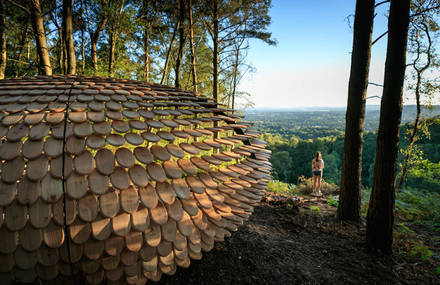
<point>317,173</point>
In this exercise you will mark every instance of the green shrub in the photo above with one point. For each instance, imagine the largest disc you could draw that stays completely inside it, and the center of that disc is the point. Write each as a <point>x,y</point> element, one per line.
<point>315,209</point>
<point>305,186</point>
<point>332,202</point>
<point>279,187</point>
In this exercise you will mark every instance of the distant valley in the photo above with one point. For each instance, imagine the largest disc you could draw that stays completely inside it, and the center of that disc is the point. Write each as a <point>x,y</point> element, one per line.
<point>314,122</point>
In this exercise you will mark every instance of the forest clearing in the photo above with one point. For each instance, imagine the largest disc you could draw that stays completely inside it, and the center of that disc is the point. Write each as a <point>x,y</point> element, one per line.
<point>130,151</point>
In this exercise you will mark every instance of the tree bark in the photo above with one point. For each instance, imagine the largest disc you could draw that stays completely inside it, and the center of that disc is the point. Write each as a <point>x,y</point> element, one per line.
<point>21,48</point>
<point>64,56</point>
<point>40,38</point>
<point>215,91</point>
<point>2,41</point>
<point>68,36</point>
<point>380,217</point>
<point>191,42</point>
<point>61,52</point>
<point>83,52</point>
<point>349,199</point>
<point>83,48</point>
<point>234,82</point>
<point>167,59</point>
<point>111,57</point>
<point>60,44</point>
<point>94,40</point>
<point>147,52</point>
<point>181,43</point>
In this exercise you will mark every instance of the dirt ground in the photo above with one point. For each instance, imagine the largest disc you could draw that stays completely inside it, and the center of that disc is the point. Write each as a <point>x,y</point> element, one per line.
<point>281,244</point>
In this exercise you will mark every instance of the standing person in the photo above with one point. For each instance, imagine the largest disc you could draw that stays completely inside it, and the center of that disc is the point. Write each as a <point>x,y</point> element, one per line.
<point>317,167</point>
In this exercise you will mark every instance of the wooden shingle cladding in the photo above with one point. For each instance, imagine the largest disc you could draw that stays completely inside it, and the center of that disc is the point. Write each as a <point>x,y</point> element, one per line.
<point>119,180</point>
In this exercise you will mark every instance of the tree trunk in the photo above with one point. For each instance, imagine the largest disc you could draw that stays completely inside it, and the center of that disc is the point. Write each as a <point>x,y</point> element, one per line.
<point>64,56</point>
<point>40,38</point>
<point>191,42</point>
<point>60,44</point>
<point>147,52</point>
<point>83,49</point>
<point>94,40</point>
<point>21,48</point>
<point>234,83</point>
<point>2,41</point>
<point>419,72</point>
<point>215,91</point>
<point>167,59</point>
<point>83,52</point>
<point>61,52</point>
<point>111,56</point>
<point>349,199</point>
<point>181,43</point>
<point>68,36</point>
<point>380,217</point>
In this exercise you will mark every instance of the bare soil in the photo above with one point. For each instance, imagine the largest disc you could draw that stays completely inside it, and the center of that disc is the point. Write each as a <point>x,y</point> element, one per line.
<point>287,244</point>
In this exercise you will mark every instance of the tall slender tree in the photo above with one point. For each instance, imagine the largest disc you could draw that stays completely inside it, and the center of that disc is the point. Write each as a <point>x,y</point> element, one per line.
<point>21,45</point>
<point>349,199</point>
<point>228,21</point>
<point>2,40</point>
<point>167,59</point>
<point>191,43</point>
<point>181,43</point>
<point>40,38</point>
<point>68,36</point>
<point>215,51</point>
<point>146,41</point>
<point>380,217</point>
<point>96,32</point>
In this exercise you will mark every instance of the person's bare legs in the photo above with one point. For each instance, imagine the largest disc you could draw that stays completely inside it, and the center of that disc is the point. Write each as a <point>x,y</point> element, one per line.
<point>315,180</point>
<point>319,178</point>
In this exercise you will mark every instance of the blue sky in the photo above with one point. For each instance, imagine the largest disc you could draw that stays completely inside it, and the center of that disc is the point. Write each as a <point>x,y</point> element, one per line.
<point>310,65</point>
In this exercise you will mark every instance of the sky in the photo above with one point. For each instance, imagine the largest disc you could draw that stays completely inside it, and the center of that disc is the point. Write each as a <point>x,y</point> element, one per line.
<point>310,65</point>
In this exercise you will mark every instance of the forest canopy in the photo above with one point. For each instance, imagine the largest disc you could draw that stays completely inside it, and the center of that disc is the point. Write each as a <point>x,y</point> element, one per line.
<point>195,45</point>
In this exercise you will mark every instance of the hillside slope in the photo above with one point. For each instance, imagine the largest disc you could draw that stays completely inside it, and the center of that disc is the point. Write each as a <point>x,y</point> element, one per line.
<point>284,245</point>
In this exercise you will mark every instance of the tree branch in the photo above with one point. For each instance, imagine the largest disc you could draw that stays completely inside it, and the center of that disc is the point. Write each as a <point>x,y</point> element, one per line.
<point>19,6</point>
<point>380,3</point>
<point>379,37</point>
<point>424,11</point>
<point>375,84</point>
<point>371,97</point>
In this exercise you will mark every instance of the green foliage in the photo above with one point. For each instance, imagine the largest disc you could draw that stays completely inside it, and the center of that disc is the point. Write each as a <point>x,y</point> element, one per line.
<point>291,156</point>
<point>279,187</point>
<point>315,209</point>
<point>418,206</point>
<point>142,33</point>
<point>420,250</point>
<point>332,202</point>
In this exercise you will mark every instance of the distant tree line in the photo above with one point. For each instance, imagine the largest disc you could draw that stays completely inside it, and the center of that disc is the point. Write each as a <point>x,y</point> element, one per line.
<point>291,157</point>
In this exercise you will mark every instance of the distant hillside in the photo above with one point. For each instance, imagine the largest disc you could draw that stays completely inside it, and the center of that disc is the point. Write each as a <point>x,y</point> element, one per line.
<point>309,123</point>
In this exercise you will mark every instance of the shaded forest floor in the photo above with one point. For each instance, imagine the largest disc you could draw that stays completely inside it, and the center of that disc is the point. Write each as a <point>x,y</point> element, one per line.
<point>285,244</point>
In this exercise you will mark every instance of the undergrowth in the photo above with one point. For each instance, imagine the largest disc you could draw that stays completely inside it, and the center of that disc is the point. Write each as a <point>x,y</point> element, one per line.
<point>413,209</point>
<point>282,188</point>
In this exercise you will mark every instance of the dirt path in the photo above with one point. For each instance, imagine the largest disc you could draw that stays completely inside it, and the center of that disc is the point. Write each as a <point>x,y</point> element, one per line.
<point>279,246</point>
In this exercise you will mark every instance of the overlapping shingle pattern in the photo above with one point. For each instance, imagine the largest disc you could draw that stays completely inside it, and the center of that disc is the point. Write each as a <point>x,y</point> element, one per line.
<point>118,180</point>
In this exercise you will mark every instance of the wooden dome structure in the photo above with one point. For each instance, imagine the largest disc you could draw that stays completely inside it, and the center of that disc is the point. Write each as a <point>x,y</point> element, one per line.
<point>118,181</point>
